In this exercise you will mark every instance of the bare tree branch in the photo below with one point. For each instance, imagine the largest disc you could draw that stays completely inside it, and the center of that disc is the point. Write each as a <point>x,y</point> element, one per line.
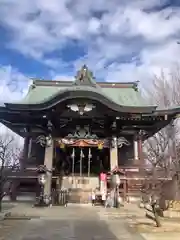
<point>9,162</point>
<point>162,151</point>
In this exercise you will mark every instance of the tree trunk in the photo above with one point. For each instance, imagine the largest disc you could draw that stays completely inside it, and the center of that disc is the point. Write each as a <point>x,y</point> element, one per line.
<point>0,196</point>
<point>0,202</point>
<point>156,216</point>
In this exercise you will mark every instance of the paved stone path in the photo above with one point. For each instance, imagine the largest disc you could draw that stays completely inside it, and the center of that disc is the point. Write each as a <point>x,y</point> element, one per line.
<point>71,223</point>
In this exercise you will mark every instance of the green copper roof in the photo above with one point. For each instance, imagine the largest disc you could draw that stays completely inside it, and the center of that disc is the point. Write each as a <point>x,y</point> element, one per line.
<point>125,96</point>
<point>121,96</point>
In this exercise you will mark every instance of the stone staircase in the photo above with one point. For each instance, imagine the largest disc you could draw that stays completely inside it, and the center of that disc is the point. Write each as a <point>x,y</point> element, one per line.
<point>80,187</point>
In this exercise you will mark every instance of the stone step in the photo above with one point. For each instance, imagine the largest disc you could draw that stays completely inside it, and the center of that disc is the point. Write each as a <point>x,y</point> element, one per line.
<point>80,182</point>
<point>18,216</point>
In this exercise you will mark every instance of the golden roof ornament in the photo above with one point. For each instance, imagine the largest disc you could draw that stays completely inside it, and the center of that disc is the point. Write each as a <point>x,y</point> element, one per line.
<point>84,76</point>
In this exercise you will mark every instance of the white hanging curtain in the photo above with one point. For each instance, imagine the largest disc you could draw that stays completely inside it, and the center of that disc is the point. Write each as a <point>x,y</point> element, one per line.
<point>89,162</point>
<point>73,160</point>
<point>81,158</point>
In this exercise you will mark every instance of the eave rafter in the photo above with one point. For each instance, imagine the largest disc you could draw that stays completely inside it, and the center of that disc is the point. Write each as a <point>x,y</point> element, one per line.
<point>124,122</point>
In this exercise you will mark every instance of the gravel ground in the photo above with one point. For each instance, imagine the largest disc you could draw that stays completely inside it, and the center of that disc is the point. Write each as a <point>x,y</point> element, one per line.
<point>71,223</point>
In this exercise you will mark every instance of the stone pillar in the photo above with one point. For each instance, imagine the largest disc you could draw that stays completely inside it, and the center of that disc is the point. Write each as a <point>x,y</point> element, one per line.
<point>113,154</point>
<point>48,162</point>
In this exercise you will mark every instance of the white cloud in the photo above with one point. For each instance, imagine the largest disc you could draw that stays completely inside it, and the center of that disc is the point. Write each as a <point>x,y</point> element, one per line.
<point>153,26</point>
<point>6,133</point>
<point>153,62</point>
<point>125,41</point>
<point>94,26</point>
<point>63,78</point>
<point>13,85</point>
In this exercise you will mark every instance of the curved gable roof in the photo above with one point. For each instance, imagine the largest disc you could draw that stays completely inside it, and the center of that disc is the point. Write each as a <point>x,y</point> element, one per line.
<point>119,97</point>
<point>41,97</point>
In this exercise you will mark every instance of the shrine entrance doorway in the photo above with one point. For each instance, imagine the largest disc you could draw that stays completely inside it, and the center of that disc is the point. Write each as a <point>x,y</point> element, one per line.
<point>87,161</point>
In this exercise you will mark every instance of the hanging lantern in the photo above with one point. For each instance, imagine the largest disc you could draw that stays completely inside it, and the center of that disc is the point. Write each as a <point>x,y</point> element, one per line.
<point>100,146</point>
<point>62,145</point>
<point>42,179</point>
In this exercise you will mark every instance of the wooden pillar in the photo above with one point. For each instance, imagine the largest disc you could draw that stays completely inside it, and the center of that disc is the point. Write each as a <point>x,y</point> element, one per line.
<point>125,190</point>
<point>140,150</point>
<point>25,152</point>
<point>48,162</point>
<point>13,190</point>
<point>29,150</point>
<point>136,153</point>
<point>26,146</point>
<point>113,154</point>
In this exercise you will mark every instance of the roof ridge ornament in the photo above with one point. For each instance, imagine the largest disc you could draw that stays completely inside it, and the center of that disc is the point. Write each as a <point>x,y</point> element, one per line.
<point>136,86</point>
<point>85,77</point>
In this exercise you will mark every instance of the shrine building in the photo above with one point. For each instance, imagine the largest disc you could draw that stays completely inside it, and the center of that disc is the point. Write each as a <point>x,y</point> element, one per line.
<point>80,128</point>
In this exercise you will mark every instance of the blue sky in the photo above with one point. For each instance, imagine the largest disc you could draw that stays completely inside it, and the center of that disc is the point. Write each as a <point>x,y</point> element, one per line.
<point>120,40</point>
